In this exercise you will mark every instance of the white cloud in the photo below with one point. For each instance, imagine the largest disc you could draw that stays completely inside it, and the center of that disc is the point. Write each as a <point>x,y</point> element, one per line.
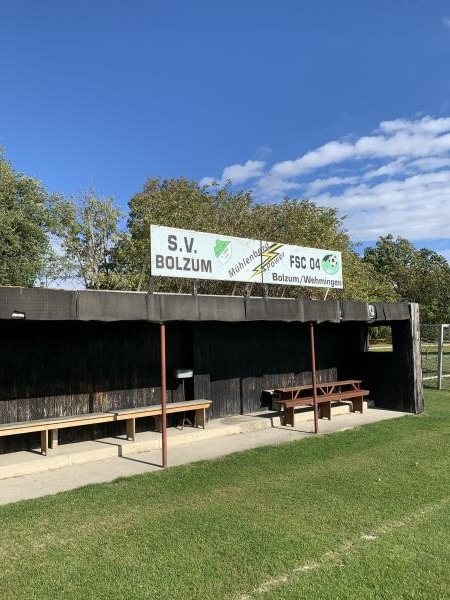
<point>390,168</point>
<point>417,207</point>
<point>429,164</point>
<point>446,21</point>
<point>319,184</point>
<point>333,152</point>
<point>394,180</point>
<point>413,142</point>
<point>271,187</point>
<point>238,173</point>
<point>426,124</point>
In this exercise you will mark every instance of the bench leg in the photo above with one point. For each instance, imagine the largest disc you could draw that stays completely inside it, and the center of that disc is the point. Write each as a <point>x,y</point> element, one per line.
<point>53,441</point>
<point>325,410</point>
<point>357,404</point>
<point>158,423</point>
<point>44,442</point>
<point>200,417</point>
<point>131,429</point>
<point>289,415</point>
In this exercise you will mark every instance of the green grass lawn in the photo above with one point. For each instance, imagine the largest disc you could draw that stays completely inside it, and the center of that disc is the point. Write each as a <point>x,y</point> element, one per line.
<point>364,513</point>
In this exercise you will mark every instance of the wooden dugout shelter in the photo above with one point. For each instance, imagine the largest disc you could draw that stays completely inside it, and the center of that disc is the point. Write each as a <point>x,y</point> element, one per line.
<point>76,352</point>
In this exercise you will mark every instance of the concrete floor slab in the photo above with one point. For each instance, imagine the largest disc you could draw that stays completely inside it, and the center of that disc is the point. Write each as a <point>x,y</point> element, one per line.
<point>30,475</point>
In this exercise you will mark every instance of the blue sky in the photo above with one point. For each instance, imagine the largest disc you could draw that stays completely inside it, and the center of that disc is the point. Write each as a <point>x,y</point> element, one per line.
<point>346,103</point>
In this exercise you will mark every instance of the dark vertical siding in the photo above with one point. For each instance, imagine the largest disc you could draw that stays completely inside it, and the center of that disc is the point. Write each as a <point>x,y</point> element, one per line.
<point>391,377</point>
<point>50,369</point>
<point>234,363</point>
<point>55,369</point>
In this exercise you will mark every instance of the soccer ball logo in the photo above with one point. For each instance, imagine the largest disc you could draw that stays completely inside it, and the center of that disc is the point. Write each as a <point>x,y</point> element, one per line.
<point>330,264</point>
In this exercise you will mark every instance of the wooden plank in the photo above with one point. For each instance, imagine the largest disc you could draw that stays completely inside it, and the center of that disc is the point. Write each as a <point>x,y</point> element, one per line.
<point>174,406</point>
<point>299,388</point>
<point>128,415</point>
<point>17,428</point>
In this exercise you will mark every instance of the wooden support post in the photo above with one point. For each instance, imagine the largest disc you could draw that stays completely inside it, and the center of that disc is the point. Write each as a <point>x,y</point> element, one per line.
<point>358,404</point>
<point>131,429</point>
<point>53,441</point>
<point>163,394</point>
<point>314,379</point>
<point>416,359</point>
<point>44,442</point>
<point>289,415</point>
<point>200,418</point>
<point>325,410</point>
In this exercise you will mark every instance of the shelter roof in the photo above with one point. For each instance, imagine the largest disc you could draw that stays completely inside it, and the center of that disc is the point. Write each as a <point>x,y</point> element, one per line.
<point>45,304</point>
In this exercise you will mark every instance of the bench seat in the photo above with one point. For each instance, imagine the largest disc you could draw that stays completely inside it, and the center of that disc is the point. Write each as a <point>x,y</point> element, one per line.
<point>129,415</point>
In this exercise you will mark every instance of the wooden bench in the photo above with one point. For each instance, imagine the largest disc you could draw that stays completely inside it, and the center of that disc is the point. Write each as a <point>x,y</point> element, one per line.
<point>333,391</point>
<point>48,428</point>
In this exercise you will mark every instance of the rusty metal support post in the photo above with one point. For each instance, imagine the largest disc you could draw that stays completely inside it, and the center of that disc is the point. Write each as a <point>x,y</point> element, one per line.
<point>314,379</point>
<point>163,394</point>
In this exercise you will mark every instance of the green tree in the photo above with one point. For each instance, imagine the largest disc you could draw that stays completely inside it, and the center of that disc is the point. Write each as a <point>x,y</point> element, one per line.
<point>25,247</point>
<point>303,223</point>
<point>88,229</point>
<point>414,275</point>
<point>176,203</point>
<point>186,204</point>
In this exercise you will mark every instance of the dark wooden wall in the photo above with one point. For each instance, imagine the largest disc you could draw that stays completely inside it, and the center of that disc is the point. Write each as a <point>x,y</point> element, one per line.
<point>393,378</point>
<point>55,369</point>
<point>50,369</point>
<point>235,362</point>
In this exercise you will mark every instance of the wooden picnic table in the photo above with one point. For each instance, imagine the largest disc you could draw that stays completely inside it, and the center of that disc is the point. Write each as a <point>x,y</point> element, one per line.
<point>326,392</point>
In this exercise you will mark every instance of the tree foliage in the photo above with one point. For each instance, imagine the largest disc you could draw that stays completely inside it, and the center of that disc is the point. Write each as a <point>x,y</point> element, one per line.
<point>87,227</point>
<point>186,204</point>
<point>93,247</point>
<point>176,203</point>
<point>414,275</point>
<point>24,248</point>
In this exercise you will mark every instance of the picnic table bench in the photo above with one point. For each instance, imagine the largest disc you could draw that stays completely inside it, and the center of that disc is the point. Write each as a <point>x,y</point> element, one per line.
<point>331,391</point>
<point>48,428</point>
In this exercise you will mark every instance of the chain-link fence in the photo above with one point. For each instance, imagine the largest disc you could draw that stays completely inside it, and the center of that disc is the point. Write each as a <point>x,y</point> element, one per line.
<point>435,349</point>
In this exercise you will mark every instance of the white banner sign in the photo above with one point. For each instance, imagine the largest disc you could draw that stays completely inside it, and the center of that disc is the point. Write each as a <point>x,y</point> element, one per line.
<point>196,255</point>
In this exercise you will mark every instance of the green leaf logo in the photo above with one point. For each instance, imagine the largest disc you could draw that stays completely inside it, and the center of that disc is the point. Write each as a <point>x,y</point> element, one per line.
<point>222,250</point>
